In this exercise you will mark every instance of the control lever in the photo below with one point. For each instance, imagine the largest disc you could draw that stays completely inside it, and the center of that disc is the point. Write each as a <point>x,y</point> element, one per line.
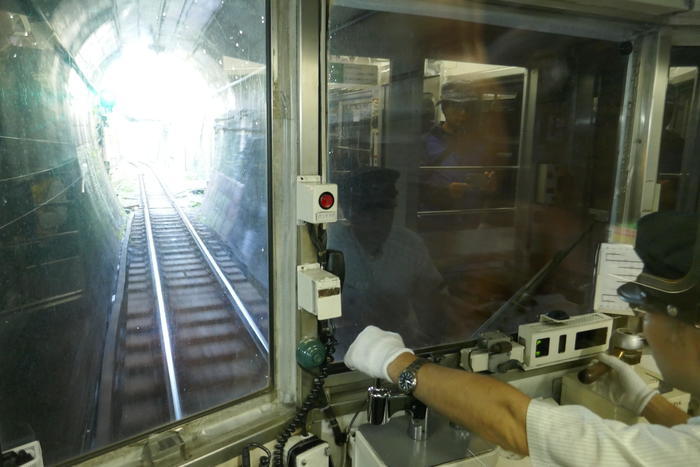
<point>418,423</point>
<point>626,344</point>
<point>383,403</point>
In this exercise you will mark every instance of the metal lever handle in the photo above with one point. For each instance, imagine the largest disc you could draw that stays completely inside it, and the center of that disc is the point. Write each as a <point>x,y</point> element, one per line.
<point>594,372</point>
<point>418,421</point>
<point>378,405</point>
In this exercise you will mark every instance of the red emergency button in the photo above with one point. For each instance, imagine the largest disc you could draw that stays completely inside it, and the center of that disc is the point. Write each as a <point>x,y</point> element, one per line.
<point>326,200</point>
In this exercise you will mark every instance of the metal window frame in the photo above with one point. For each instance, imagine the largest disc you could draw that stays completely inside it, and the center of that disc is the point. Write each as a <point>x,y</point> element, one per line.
<point>689,37</point>
<point>221,433</point>
<point>636,192</point>
<point>636,189</point>
<point>525,16</point>
<point>528,170</point>
<point>312,132</point>
<point>649,43</point>
<point>685,36</point>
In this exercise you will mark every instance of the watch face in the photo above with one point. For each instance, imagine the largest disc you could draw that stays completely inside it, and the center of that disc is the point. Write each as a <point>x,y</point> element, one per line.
<point>407,381</point>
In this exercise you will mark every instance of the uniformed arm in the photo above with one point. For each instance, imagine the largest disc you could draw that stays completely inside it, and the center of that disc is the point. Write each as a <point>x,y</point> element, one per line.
<point>490,408</point>
<point>484,405</point>
<point>624,387</point>
<point>571,435</point>
<point>551,435</point>
<point>660,411</point>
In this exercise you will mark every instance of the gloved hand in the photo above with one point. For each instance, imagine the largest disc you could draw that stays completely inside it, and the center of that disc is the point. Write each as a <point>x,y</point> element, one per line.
<point>623,385</point>
<point>373,350</point>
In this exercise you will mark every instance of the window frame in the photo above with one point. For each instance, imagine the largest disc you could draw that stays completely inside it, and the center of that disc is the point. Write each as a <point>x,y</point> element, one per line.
<point>297,106</point>
<point>221,433</point>
<point>636,189</point>
<point>651,50</point>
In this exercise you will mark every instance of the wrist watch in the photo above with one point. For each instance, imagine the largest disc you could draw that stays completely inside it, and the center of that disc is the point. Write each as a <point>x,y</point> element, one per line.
<point>408,379</point>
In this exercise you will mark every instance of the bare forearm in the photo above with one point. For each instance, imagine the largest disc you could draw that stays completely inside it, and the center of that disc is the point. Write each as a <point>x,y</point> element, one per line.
<point>491,408</point>
<point>661,412</point>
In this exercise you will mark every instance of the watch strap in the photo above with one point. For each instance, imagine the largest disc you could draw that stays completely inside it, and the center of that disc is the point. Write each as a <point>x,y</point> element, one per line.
<point>416,364</point>
<point>413,369</point>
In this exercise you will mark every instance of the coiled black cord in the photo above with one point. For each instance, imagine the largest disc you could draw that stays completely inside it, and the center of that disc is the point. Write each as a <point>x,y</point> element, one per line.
<point>264,460</point>
<point>309,402</point>
<point>318,236</point>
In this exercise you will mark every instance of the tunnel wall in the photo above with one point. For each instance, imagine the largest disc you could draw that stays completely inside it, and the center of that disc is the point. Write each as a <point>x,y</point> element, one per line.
<point>236,205</point>
<point>60,230</point>
<point>60,225</point>
<point>236,202</point>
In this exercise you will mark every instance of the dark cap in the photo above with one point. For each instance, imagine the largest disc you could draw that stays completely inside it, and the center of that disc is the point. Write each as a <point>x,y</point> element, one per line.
<point>665,243</point>
<point>458,91</point>
<point>373,187</point>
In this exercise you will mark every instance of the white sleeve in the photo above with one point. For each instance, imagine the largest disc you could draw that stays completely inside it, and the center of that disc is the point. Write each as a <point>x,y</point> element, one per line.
<point>572,435</point>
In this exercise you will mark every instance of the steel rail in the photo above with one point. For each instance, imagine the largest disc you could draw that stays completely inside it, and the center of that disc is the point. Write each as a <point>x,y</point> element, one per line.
<point>173,389</point>
<point>260,339</point>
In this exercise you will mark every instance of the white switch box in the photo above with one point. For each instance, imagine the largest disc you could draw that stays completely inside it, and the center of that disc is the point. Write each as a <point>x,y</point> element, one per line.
<point>317,203</point>
<point>547,343</point>
<point>34,450</point>
<point>318,291</point>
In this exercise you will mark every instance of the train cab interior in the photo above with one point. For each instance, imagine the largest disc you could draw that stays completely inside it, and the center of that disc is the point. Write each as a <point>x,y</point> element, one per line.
<point>204,202</point>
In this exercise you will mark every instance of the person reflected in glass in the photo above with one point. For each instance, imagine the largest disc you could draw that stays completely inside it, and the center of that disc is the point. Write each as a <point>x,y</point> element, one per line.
<point>456,142</point>
<point>390,279</point>
<point>670,160</point>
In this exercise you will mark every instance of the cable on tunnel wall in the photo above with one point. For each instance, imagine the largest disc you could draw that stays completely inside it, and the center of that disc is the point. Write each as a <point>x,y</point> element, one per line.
<point>35,140</point>
<point>42,204</point>
<point>32,174</point>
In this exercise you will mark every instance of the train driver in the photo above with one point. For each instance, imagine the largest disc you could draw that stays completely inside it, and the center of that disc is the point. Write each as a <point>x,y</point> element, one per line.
<point>570,434</point>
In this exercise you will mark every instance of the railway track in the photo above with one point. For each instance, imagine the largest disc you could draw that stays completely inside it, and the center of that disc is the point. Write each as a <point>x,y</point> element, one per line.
<point>193,331</point>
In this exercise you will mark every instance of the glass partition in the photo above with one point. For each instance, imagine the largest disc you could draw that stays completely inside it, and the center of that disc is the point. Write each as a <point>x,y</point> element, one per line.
<point>678,171</point>
<point>134,277</point>
<point>467,156</point>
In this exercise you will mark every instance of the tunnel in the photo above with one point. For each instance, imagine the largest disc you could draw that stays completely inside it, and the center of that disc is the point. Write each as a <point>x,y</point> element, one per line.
<point>476,160</point>
<point>94,95</point>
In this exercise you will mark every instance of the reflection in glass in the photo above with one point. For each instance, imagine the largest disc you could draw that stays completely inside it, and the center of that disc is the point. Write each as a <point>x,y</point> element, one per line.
<point>473,154</point>
<point>104,108</point>
<point>390,280</point>
<point>677,171</point>
<point>468,166</point>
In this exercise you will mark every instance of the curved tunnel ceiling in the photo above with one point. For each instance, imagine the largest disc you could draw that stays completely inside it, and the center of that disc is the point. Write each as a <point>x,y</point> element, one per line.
<point>94,34</point>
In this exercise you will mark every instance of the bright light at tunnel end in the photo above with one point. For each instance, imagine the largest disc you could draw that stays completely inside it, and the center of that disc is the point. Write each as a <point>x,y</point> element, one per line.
<point>146,85</point>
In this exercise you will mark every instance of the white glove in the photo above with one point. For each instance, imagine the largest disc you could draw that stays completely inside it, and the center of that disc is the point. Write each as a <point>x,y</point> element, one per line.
<point>373,350</point>
<point>623,386</point>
